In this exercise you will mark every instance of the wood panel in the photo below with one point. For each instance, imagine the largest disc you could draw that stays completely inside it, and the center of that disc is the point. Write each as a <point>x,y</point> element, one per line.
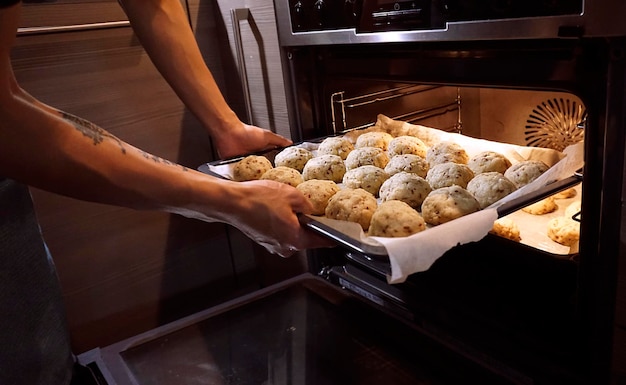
<point>70,12</point>
<point>123,271</point>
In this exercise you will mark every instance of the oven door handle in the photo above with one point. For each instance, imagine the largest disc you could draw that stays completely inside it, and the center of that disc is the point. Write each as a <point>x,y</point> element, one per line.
<point>237,16</point>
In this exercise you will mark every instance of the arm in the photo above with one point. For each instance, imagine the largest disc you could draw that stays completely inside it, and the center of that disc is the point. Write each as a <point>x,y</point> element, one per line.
<point>164,31</point>
<point>46,148</point>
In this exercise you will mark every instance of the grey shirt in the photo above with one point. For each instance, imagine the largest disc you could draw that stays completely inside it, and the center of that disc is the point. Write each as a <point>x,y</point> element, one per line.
<point>34,339</point>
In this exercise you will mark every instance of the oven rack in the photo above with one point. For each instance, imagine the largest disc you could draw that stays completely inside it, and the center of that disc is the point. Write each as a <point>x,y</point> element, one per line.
<point>340,105</point>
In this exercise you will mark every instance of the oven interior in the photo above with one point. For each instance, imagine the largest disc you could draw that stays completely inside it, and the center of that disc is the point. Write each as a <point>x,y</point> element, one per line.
<point>518,310</point>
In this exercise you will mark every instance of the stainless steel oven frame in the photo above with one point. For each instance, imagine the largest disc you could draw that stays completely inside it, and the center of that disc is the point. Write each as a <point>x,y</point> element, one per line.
<point>583,54</point>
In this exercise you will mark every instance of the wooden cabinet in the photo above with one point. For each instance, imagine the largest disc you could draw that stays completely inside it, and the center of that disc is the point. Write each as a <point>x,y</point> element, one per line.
<point>122,271</point>
<point>255,55</point>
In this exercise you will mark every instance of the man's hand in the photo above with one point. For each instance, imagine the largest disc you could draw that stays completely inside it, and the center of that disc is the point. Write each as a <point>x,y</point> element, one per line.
<point>244,139</point>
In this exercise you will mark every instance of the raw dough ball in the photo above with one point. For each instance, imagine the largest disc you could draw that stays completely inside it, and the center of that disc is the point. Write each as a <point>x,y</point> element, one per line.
<point>542,207</point>
<point>409,163</point>
<point>506,228</point>
<point>526,171</point>
<point>395,219</point>
<point>374,139</point>
<point>352,205</point>
<point>407,187</point>
<point>368,177</point>
<point>407,145</point>
<point>327,167</point>
<point>283,174</point>
<point>488,161</point>
<point>568,193</point>
<point>335,145</point>
<point>446,152</point>
<point>251,167</point>
<point>318,192</point>
<point>448,203</point>
<point>294,157</point>
<point>564,231</point>
<point>572,209</point>
<point>448,174</point>
<point>367,156</point>
<point>490,187</point>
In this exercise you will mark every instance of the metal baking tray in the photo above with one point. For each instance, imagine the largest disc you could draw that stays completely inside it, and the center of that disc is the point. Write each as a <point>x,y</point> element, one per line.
<point>378,251</point>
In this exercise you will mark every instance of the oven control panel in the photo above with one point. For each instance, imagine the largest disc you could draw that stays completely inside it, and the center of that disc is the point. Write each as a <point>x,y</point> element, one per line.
<point>389,15</point>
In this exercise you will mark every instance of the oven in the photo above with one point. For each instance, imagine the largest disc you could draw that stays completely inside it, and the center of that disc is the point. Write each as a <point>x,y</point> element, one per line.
<point>533,73</point>
<point>542,74</point>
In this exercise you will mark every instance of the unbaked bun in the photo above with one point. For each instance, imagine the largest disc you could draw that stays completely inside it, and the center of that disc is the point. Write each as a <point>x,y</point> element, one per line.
<point>318,192</point>
<point>377,139</point>
<point>526,171</point>
<point>283,174</point>
<point>367,156</point>
<point>335,145</point>
<point>448,203</point>
<point>490,187</point>
<point>294,157</point>
<point>407,187</point>
<point>251,167</point>
<point>488,161</point>
<point>409,163</point>
<point>367,177</point>
<point>407,145</point>
<point>449,174</point>
<point>395,219</point>
<point>352,205</point>
<point>446,152</point>
<point>326,167</point>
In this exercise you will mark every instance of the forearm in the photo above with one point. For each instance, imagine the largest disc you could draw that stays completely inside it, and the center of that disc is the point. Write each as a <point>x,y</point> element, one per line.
<point>72,157</point>
<point>164,31</point>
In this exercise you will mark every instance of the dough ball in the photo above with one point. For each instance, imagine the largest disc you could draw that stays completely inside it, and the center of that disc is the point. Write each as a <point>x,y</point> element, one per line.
<point>544,206</point>
<point>565,194</point>
<point>352,205</point>
<point>490,187</point>
<point>374,139</point>
<point>368,177</point>
<point>446,152</point>
<point>294,157</point>
<point>318,192</point>
<point>488,161</point>
<point>283,174</point>
<point>327,167</point>
<point>407,145</point>
<point>564,231</point>
<point>395,219</point>
<point>526,171</point>
<point>449,174</point>
<point>335,145</point>
<point>406,187</point>
<point>448,203</point>
<point>506,228</point>
<point>572,209</point>
<point>251,167</point>
<point>409,163</point>
<point>367,156</point>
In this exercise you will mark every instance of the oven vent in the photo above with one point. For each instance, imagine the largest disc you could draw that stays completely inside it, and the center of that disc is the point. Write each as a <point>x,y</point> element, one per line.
<point>555,123</point>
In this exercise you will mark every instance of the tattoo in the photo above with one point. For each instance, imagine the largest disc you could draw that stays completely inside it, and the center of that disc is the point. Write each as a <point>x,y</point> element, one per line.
<point>157,159</point>
<point>92,131</point>
<point>98,134</point>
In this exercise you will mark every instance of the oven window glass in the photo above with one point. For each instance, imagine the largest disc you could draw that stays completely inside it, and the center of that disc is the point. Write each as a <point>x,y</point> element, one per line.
<point>297,336</point>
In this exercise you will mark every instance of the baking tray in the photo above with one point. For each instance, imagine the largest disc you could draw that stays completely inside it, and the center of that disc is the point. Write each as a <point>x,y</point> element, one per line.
<point>375,250</point>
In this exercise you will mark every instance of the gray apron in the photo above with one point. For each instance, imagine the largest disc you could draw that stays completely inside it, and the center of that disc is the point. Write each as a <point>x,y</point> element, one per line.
<point>34,339</point>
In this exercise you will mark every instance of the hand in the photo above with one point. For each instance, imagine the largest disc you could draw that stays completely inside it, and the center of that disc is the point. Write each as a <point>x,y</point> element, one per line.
<point>244,139</point>
<point>271,218</point>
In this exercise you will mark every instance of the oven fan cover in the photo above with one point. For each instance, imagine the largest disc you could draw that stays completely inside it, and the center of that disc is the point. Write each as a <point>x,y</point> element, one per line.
<point>555,123</point>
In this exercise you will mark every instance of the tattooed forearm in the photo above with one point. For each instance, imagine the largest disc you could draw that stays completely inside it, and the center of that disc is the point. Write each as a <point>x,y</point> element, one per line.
<point>157,159</point>
<point>92,131</point>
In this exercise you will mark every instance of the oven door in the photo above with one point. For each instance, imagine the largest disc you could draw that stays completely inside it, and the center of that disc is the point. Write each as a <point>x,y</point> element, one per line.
<point>301,331</point>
